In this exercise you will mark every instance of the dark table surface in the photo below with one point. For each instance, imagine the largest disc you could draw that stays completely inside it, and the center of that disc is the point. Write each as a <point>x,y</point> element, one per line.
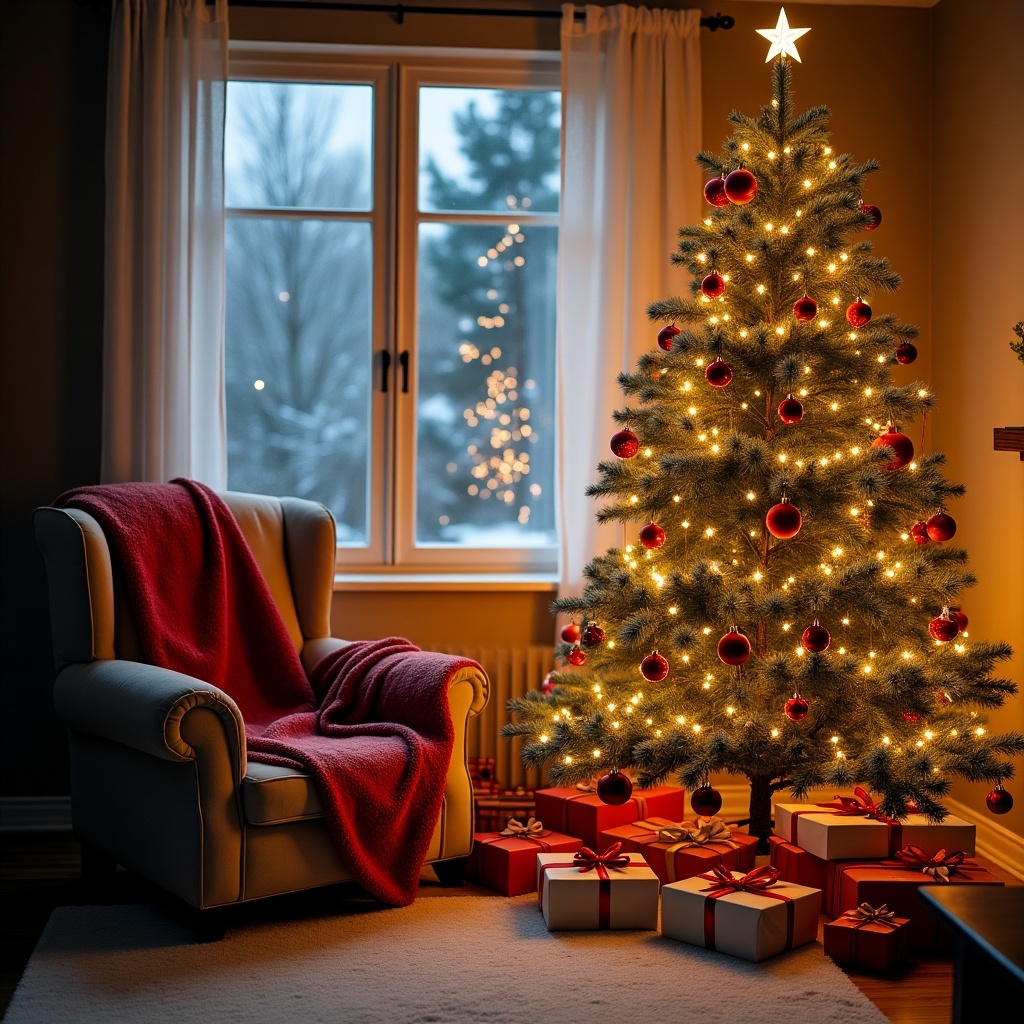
<point>991,918</point>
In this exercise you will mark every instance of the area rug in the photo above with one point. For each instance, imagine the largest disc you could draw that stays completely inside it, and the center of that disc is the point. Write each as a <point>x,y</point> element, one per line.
<point>453,960</point>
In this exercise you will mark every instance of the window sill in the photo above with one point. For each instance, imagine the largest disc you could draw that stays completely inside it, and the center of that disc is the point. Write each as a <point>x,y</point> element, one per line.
<point>448,581</point>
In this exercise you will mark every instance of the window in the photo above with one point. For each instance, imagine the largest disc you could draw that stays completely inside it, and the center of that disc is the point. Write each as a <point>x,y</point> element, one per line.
<point>391,263</point>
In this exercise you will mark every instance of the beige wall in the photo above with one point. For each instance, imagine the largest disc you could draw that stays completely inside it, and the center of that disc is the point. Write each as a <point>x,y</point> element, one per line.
<point>908,86</point>
<point>977,130</point>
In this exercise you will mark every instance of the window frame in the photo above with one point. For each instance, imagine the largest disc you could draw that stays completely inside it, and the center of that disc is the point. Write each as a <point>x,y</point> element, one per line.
<point>396,76</point>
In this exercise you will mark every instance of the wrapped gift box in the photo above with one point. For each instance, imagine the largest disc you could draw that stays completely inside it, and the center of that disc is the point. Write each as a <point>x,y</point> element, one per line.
<point>613,897</point>
<point>868,938</point>
<point>797,865</point>
<point>508,863</point>
<point>851,883</point>
<point>742,923</point>
<point>493,810</point>
<point>694,850</point>
<point>583,814</point>
<point>835,836</point>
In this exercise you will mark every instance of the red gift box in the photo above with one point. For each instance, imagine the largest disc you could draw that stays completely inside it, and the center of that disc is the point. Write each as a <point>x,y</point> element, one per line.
<point>895,883</point>
<point>797,865</point>
<point>507,863</point>
<point>583,814</point>
<point>677,850</point>
<point>868,938</point>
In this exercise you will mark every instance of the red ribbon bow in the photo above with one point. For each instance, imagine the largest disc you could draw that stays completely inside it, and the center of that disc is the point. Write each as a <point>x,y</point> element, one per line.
<point>759,882</point>
<point>937,865</point>
<point>756,881</point>
<point>861,805</point>
<point>587,860</point>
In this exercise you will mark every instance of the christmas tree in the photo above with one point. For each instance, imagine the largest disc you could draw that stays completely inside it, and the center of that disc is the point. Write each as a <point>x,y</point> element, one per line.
<point>789,610</point>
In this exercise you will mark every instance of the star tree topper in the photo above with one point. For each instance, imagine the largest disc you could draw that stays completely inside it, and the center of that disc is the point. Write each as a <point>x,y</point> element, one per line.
<point>783,38</point>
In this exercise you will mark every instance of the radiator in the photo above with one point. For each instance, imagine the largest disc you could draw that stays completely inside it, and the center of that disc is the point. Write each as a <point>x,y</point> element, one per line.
<point>511,671</point>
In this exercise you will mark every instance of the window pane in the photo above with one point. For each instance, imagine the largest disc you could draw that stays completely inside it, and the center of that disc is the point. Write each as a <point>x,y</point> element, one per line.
<point>485,374</point>
<point>296,144</point>
<point>489,149</point>
<point>298,359</point>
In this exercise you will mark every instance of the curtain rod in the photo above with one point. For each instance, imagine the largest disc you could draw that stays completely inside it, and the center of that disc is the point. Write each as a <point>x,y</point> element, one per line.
<point>400,11</point>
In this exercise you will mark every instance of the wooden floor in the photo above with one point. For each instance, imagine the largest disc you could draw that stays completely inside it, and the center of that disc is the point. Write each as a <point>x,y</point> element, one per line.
<point>40,871</point>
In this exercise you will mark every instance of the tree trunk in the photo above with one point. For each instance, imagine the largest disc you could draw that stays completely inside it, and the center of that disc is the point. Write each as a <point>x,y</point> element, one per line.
<point>761,810</point>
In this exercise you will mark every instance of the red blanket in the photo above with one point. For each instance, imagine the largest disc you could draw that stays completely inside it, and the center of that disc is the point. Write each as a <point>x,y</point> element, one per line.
<point>371,724</point>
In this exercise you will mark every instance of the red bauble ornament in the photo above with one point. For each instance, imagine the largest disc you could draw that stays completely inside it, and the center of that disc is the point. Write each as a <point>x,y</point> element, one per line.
<point>961,619</point>
<point>713,285</point>
<point>576,656</point>
<point>740,186</point>
<point>816,638</point>
<point>570,633</point>
<point>919,531</point>
<point>734,648</point>
<point>625,444</point>
<point>654,667</point>
<point>911,716</point>
<point>805,309</point>
<point>943,627</point>
<point>548,685</point>
<point>906,353</point>
<point>858,313</point>
<point>999,800</point>
<point>941,526</point>
<point>593,634</point>
<point>718,373</point>
<point>796,708</point>
<point>783,520</point>
<point>614,788</point>
<point>902,446</point>
<point>714,192</point>
<point>791,410</point>
<point>875,215</point>
<point>706,801</point>
<point>652,536</point>
<point>665,336</point>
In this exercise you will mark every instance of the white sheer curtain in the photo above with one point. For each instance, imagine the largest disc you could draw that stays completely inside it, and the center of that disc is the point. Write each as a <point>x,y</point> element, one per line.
<point>163,406</point>
<point>631,129</point>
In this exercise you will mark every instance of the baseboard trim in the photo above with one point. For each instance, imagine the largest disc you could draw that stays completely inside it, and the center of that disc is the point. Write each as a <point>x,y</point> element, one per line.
<point>35,814</point>
<point>994,842</point>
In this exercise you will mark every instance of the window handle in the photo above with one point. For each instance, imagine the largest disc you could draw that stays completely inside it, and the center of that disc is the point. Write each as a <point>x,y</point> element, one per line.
<point>385,369</point>
<point>403,360</point>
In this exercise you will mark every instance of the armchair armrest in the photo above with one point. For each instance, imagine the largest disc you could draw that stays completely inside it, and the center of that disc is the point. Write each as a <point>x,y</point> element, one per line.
<point>143,706</point>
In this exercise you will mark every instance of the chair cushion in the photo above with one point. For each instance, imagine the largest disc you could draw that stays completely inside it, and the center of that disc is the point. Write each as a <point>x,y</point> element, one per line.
<point>272,795</point>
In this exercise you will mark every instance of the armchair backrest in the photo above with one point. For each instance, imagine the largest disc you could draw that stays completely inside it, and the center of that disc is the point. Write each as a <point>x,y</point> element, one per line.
<point>293,541</point>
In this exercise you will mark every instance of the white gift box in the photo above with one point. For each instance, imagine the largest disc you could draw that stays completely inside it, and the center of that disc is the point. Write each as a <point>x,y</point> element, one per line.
<point>743,924</point>
<point>849,837</point>
<point>605,897</point>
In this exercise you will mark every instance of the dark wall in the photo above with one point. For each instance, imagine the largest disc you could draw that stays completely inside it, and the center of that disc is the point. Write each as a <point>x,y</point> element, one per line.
<point>53,57</point>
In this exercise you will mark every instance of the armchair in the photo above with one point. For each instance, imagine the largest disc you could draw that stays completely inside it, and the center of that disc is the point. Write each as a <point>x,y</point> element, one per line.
<point>159,778</point>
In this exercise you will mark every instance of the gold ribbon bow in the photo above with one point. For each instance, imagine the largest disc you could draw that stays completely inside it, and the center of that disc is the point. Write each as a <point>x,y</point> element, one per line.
<point>531,830</point>
<point>697,833</point>
<point>865,914</point>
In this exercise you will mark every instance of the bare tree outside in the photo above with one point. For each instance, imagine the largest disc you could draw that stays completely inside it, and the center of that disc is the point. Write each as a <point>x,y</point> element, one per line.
<point>298,350</point>
<point>300,294</point>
